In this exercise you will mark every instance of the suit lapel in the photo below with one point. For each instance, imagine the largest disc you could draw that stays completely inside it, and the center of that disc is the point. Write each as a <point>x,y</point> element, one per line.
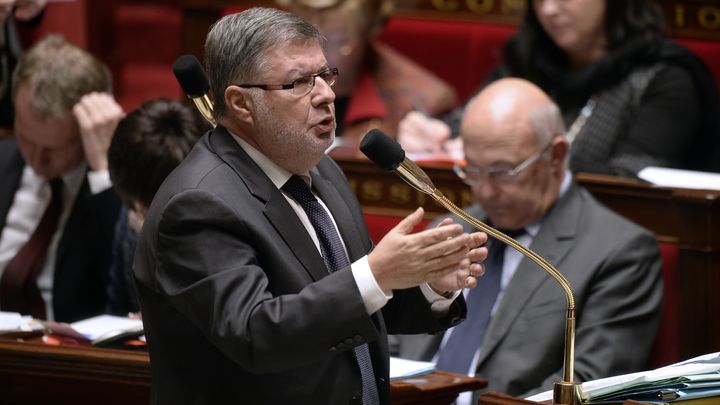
<point>277,210</point>
<point>554,240</point>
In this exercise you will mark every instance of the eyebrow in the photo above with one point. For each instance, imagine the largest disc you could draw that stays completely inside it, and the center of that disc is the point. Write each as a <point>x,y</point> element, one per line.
<point>304,73</point>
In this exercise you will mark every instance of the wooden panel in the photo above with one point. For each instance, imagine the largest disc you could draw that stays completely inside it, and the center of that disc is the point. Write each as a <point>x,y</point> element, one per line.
<point>32,372</point>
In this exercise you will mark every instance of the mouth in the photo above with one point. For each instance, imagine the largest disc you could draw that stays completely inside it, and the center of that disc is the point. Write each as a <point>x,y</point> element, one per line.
<point>326,125</point>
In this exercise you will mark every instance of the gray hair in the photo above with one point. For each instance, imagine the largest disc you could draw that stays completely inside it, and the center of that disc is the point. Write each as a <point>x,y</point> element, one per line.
<point>547,123</point>
<point>236,44</point>
<point>58,74</point>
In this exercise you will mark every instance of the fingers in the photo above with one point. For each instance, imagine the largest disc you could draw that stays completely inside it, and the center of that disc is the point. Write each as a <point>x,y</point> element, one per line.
<point>419,133</point>
<point>409,222</point>
<point>95,110</point>
<point>97,115</point>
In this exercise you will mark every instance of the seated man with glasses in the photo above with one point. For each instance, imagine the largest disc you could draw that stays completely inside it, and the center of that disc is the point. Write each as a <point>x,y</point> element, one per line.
<point>516,157</point>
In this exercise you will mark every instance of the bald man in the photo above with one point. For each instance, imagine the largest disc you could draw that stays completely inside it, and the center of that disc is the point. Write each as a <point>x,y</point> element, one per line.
<point>516,157</point>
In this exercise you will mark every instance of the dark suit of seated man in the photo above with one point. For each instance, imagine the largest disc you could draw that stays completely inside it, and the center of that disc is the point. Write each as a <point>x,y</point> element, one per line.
<point>516,155</point>
<point>257,279</point>
<point>57,207</point>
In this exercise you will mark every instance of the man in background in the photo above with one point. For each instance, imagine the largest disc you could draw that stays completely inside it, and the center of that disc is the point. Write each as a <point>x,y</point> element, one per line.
<point>57,208</point>
<point>516,155</point>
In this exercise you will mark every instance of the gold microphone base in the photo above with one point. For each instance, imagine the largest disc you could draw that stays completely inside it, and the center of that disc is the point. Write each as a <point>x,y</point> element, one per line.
<point>566,393</point>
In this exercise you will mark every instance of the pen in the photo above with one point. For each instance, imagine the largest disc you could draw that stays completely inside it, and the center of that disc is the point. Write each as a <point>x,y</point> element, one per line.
<point>417,106</point>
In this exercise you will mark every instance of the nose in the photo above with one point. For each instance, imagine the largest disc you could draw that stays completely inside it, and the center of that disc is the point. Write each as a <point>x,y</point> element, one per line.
<point>546,7</point>
<point>321,92</point>
<point>484,190</point>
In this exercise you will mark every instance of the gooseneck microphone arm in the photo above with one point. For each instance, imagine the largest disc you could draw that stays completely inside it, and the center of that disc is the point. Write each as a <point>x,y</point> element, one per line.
<point>387,154</point>
<point>191,76</point>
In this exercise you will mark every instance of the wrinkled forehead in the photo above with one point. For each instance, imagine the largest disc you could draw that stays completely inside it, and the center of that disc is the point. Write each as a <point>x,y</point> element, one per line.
<point>487,141</point>
<point>296,57</point>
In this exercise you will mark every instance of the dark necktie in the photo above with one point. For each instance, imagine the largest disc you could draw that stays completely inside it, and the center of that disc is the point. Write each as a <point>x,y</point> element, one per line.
<point>335,258</point>
<point>466,338</point>
<point>19,291</point>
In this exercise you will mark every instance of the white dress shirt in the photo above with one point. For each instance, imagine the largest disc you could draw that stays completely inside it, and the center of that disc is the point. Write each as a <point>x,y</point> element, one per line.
<point>30,201</point>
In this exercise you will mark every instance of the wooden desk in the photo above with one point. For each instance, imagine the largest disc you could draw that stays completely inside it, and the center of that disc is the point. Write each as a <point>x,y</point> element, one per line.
<point>688,218</point>
<point>39,373</point>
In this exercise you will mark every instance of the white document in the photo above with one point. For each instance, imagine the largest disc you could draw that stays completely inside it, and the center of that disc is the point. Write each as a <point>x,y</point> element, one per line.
<point>705,364</point>
<point>666,177</point>
<point>14,322</point>
<point>105,326</point>
<point>403,368</point>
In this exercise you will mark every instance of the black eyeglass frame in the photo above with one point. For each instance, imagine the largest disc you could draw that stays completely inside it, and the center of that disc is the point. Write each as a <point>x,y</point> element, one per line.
<point>309,79</point>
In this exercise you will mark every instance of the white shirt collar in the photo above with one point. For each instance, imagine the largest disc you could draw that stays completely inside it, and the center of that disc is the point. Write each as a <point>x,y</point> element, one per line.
<point>277,174</point>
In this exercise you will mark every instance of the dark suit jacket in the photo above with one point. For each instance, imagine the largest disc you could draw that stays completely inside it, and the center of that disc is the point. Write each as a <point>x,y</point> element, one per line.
<point>237,303</point>
<point>614,269</point>
<point>84,251</point>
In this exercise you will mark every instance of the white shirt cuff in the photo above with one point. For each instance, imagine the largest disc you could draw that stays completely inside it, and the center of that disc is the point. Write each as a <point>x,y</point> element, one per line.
<point>372,295</point>
<point>99,181</point>
<point>439,304</point>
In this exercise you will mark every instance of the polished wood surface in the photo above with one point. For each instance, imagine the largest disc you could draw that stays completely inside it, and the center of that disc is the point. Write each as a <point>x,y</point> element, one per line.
<point>688,218</point>
<point>435,388</point>
<point>35,373</point>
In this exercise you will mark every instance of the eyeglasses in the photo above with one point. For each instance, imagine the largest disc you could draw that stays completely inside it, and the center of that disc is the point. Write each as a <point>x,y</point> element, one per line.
<point>301,86</point>
<point>499,174</point>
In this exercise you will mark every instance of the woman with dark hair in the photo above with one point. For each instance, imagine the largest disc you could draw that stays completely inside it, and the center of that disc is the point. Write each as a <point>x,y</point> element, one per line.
<point>630,97</point>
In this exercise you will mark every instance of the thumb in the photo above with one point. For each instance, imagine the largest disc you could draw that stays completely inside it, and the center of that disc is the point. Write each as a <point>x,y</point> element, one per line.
<point>409,222</point>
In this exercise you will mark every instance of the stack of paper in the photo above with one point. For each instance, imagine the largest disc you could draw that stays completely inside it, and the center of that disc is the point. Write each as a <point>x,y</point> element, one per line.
<point>107,329</point>
<point>698,377</point>
<point>14,322</point>
<point>403,368</point>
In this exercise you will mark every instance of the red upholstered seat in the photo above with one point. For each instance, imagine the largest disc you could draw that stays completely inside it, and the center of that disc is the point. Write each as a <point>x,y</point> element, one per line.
<point>666,343</point>
<point>378,225</point>
<point>708,51</point>
<point>461,53</point>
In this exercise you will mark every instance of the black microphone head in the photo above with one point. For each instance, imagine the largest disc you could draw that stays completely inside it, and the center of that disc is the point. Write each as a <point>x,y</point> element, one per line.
<point>382,150</point>
<point>191,76</point>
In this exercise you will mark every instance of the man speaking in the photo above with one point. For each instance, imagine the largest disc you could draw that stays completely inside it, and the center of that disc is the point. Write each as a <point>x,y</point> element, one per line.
<point>257,279</point>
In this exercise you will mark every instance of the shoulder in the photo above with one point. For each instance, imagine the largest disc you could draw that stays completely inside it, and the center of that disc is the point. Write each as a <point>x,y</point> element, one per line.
<point>10,158</point>
<point>8,145</point>
<point>597,216</point>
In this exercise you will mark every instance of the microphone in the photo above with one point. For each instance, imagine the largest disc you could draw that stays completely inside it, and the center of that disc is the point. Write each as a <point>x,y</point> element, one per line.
<point>191,76</point>
<point>389,155</point>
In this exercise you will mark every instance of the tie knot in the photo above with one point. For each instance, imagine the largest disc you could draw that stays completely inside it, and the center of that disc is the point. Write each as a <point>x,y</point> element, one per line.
<point>56,186</point>
<point>299,190</point>
<point>513,233</point>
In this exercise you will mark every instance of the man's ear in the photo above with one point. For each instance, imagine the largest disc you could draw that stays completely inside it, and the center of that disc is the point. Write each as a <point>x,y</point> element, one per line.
<point>560,149</point>
<point>239,102</point>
